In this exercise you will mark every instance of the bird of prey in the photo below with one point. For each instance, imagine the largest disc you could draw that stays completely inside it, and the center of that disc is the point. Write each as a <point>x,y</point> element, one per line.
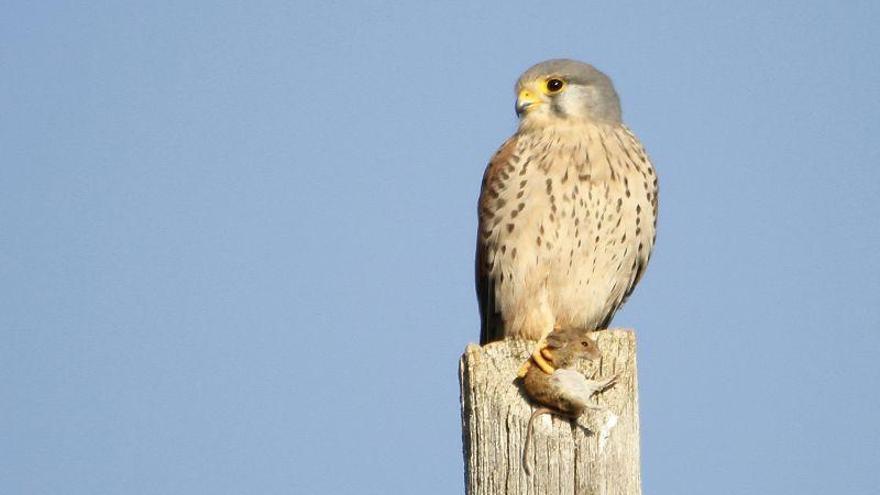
<point>567,210</point>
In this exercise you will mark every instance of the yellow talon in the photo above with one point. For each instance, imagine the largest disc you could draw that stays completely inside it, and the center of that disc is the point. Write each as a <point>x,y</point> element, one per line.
<point>538,358</point>
<point>541,357</point>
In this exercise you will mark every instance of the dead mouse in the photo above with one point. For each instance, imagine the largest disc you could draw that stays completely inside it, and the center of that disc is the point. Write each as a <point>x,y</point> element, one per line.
<point>559,388</point>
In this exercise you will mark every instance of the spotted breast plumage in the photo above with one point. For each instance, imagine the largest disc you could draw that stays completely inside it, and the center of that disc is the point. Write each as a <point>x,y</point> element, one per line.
<point>567,210</point>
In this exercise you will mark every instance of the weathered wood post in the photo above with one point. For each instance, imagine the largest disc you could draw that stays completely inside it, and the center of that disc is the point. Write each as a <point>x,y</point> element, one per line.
<point>597,456</point>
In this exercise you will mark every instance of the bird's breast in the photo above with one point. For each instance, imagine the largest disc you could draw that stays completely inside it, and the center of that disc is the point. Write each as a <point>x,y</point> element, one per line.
<point>573,219</point>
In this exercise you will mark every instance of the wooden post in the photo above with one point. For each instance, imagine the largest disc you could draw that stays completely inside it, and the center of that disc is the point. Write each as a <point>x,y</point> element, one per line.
<point>597,456</point>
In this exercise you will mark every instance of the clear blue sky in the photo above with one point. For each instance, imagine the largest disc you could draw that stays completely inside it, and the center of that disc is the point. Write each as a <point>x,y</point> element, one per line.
<point>236,241</point>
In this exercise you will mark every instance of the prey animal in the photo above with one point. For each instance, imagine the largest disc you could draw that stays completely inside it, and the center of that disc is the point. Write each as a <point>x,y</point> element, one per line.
<point>556,385</point>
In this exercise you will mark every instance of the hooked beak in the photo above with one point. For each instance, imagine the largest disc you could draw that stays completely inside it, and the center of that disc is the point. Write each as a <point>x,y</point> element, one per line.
<point>524,100</point>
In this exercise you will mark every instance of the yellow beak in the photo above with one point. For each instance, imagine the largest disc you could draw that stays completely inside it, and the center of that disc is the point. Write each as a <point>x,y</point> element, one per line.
<point>526,99</point>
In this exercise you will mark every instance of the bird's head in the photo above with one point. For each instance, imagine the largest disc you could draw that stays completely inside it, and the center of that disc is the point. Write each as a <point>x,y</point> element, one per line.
<point>563,89</point>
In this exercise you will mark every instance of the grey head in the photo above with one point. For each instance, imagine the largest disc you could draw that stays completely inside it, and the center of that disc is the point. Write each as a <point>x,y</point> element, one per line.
<point>564,89</point>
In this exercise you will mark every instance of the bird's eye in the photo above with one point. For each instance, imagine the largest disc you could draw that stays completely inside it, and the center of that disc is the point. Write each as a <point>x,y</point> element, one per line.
<point>585,344</point>
<point>555,85</point>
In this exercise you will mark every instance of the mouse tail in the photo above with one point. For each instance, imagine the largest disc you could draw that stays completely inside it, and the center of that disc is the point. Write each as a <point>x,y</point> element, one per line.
<point>527,459</point>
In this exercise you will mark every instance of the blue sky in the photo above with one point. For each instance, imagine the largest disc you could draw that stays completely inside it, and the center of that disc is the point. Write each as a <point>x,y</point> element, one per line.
<point>236,241</point>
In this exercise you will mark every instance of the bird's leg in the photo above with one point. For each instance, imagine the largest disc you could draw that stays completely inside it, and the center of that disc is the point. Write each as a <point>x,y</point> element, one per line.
<point>541,356</point>
<point>537,358</point>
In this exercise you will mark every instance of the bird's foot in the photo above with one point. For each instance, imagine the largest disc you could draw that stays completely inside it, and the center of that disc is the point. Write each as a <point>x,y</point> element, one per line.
<point>540,357</point>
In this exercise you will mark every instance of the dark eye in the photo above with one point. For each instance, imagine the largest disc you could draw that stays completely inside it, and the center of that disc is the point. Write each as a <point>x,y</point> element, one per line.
<point>585,343</point>
<point>554,85</point>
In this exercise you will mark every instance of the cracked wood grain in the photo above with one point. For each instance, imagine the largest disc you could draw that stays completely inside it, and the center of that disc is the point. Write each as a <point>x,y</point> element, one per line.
<point>594,456</point>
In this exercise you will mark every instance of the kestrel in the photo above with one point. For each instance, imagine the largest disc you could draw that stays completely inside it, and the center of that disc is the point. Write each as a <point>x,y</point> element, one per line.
<point>567,210</point>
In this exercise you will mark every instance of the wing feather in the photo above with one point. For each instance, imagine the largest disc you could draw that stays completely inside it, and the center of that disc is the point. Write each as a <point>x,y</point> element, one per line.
<point>491,322</point>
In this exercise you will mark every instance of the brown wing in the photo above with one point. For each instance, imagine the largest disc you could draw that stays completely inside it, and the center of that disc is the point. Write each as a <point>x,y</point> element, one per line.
<point>491,323</point>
